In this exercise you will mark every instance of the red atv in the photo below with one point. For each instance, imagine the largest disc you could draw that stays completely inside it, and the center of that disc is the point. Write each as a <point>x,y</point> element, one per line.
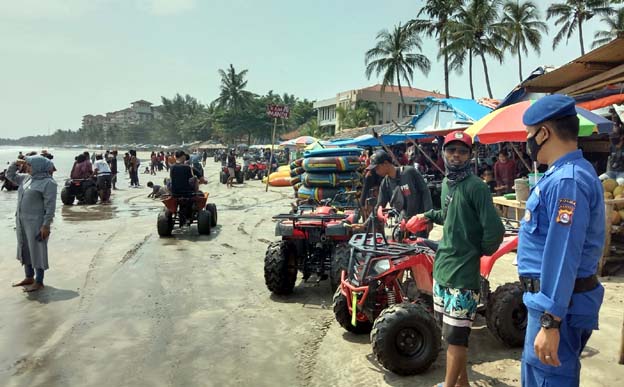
<point>225,175</point>
<point>186,210</point>
<point>314,241</point>
<point>387,291</point>
<point>256,169</point>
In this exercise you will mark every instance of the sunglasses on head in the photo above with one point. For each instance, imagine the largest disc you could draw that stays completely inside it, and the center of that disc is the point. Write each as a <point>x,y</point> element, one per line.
<point>459,149</point>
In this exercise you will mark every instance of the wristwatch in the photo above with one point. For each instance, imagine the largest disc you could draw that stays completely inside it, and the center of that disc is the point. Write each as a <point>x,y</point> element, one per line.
<point>547,321</point>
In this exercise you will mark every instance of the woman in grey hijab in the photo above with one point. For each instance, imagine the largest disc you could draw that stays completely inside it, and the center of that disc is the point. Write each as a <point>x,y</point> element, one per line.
<point>36,202</point>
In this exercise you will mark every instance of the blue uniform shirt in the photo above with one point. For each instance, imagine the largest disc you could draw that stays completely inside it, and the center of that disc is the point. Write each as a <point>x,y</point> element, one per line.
<point>561,238</point>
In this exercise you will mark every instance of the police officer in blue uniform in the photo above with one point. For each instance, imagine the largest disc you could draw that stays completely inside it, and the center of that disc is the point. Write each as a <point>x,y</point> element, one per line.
<point>560,243</point>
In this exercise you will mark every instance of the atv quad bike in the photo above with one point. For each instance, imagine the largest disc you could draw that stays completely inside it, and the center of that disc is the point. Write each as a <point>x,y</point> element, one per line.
<point>85,190</point>
<point>387,291</point>
<point>225,175</point>
<point>186,210</point>
<point>314,241</point>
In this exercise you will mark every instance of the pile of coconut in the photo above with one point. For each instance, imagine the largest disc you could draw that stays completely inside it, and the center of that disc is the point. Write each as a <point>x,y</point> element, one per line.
<point>614,191</point>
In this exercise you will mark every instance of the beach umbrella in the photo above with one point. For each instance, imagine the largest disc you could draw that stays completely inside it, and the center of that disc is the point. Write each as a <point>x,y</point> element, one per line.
<point>304,140</point>
<point>505,124</point>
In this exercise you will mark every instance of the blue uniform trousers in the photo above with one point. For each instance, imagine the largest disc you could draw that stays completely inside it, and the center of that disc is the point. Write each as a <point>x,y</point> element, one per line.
<point>572,342</point>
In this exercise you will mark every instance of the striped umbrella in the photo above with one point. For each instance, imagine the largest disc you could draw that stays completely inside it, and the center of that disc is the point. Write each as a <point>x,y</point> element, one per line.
<point>505,124</point>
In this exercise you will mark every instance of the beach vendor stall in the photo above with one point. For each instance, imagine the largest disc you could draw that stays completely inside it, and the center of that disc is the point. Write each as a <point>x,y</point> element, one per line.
<point>505,125</point>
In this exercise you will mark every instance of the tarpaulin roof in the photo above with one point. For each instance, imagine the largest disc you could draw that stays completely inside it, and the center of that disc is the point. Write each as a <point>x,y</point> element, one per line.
<point>446,114</point>
<point>370,140</point>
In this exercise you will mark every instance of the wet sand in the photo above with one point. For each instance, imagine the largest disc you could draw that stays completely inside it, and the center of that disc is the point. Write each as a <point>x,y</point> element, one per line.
<point>123,307</point>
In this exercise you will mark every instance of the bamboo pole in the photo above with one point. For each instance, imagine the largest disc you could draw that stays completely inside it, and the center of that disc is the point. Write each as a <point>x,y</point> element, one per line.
<point>266,189</point>
<point>416,146</point>
<point>520,156</point>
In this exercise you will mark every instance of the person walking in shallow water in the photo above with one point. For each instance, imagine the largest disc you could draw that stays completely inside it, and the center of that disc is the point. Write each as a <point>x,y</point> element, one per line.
<point>36,203</point>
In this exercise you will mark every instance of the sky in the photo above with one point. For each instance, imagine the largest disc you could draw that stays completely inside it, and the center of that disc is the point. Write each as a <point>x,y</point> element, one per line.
<point>62,59</point>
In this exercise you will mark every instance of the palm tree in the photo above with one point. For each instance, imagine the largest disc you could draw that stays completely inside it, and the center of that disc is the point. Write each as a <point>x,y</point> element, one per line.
<point>439,13</point>
<point>475,31</point>
<point>615,26</point>
<point>572,14</point>
<point>393,56</point>
<point>233,94</point>
<point>522,24</point>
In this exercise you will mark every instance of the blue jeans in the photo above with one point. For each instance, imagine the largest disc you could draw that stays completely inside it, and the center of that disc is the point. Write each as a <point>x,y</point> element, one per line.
<point>37,273</point>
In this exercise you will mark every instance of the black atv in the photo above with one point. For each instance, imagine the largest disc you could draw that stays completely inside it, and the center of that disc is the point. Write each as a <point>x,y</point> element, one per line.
<point>85,190</point>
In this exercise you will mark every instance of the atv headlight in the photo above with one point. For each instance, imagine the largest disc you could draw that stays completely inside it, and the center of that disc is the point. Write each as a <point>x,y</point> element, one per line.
<point>379,267</point>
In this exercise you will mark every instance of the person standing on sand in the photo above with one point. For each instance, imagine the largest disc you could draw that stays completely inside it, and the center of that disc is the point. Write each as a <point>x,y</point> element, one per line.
<point>472,228</point>
<point>559,246</point>
<point>36,203</point>
<point>133,168</point>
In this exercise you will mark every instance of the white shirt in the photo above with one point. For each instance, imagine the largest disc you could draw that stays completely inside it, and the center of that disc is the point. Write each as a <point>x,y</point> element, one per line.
<point>102,167</point>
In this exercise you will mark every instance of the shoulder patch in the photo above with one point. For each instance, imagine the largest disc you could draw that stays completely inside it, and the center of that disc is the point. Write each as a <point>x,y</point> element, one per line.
<point>565,211</point>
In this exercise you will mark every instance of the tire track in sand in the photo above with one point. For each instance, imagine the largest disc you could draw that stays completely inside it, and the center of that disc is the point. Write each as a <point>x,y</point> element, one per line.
<point>64,334</point>
<point>307,357</point>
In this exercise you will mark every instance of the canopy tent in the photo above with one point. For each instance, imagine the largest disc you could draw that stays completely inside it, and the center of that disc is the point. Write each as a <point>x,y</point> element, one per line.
<point>370,140</point>
<point>209,145</point>
<point>505,124</point>
<point>445,115</point>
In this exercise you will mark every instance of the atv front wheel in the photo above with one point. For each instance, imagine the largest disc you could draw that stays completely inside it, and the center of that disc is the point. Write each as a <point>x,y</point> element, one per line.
<point>91,195</point>
<point>66,197</point>
<point>164,224</point>
<point>341,312</point>
<point>213,211</point>
<point>406,339</point>
<point>280,269</point>
<point>239,177</point>
<point>339,262</point>
<point>204,219</point>
<point>223,178</point>
<point>506,315</point>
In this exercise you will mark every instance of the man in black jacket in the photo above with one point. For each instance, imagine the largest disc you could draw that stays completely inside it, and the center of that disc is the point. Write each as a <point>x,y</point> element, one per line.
<point>403,187</point>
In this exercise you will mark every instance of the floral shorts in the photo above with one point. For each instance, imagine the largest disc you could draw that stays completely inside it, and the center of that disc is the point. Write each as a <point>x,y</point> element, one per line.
<point>458,307</point>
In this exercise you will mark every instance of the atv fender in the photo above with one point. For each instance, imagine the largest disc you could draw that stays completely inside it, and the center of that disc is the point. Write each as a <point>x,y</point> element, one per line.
<point>487,261</point>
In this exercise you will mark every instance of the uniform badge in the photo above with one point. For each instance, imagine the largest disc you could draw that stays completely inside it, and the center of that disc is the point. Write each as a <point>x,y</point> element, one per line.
<point>527,215</point>
<point>565,211</point>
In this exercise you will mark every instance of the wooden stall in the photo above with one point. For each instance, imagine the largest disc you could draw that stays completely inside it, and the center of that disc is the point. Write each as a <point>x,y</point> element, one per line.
<point>514,209</point>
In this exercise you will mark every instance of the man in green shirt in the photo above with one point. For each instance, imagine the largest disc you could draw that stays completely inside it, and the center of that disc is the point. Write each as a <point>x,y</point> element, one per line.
<point>472,228</point>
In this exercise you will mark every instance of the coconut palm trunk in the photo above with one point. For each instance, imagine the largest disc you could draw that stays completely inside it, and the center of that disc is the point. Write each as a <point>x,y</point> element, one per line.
<point>446,71</point>
<point>401,95</point>
<point>487,76</point>
<point>520,67</point>
<point>470,74</point>
<point>580,25</point>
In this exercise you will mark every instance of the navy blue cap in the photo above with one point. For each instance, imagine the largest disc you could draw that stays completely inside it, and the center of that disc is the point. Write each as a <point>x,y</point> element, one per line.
<point>548,108</point>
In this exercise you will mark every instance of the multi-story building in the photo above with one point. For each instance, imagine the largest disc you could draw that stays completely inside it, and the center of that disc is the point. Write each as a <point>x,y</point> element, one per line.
<point>139,112</point>
<point>388,103</point>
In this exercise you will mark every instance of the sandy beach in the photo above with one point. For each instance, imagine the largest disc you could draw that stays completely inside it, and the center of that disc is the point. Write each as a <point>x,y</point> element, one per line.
<point>123,307</point>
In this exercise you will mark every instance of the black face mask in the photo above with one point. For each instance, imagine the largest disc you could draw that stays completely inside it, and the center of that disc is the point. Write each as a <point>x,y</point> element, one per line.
<point>533,147</point>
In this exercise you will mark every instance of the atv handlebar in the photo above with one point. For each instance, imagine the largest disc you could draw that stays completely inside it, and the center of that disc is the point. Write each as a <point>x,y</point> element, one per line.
<point>310,217</point>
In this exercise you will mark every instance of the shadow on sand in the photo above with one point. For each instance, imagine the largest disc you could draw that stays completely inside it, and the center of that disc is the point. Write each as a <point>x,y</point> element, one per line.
<point>51,294</point>
<point>309,295</point>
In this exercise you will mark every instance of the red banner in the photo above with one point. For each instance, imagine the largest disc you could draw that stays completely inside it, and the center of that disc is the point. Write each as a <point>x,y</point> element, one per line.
<point>278,111</point>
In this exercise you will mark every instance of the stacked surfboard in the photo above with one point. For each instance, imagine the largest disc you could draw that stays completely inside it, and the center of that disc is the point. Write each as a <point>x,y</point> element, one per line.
<point>323,173</point>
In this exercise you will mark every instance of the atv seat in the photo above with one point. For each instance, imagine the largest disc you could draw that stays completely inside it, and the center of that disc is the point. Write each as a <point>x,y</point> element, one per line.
<point>433,245</point>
